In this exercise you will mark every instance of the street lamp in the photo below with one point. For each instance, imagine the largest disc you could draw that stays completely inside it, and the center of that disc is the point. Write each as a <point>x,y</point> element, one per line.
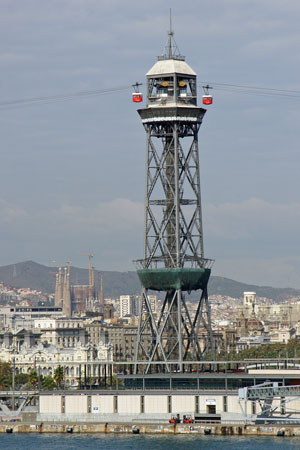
<point>39,369</point>
<point>13,381</point>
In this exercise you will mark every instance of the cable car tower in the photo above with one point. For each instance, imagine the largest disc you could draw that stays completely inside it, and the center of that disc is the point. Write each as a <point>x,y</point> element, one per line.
<point>173,261</point>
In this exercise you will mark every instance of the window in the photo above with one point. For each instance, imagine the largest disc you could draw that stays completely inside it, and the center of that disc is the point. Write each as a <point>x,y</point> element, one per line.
<point>62,403</point>
<point>169,403</point>
<point>115,403</point>
<point>196,404</point>
<point>142,404</point>
<point>225,403</point>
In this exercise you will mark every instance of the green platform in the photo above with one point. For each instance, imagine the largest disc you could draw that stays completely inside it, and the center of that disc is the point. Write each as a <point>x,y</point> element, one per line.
<point>185,279</point>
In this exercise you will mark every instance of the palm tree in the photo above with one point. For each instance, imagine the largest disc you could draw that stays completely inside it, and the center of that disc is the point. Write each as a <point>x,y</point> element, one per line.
<point>59,375</point>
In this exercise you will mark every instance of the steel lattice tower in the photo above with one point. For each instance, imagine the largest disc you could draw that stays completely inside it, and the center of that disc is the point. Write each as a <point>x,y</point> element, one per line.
<point>173,240</point>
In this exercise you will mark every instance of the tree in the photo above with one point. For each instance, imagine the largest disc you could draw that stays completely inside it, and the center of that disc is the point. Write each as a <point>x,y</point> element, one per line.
<point>48,383</point>
<point>59,376</point>
<point>21,379</point>
<point>272,351</point>
<point>5,375</point>
<point>33,378</point>
<point>114,381</point>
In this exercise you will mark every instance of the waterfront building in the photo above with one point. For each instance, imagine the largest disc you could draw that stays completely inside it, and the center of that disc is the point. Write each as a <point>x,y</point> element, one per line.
<point>208,397</point>
<point>78,362</point>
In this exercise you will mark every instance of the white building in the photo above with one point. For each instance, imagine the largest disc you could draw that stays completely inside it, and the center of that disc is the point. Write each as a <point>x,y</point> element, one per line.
<point>62,332</point>
<point>153,302</point>
<point>128,305</point>
<point>14,317</point>
<point>283,335</point>
<point>215,400</point>
<point>77,362</point>
<point>249,303</point>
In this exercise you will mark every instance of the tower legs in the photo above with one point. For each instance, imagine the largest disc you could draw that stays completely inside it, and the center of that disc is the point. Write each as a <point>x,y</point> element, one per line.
<point>176,337</point>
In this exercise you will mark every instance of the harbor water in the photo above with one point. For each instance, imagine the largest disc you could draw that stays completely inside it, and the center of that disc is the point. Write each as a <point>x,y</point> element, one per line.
<point>144,442</point>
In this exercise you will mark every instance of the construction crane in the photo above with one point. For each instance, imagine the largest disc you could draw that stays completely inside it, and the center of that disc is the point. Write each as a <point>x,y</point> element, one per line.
<point>92,284</point>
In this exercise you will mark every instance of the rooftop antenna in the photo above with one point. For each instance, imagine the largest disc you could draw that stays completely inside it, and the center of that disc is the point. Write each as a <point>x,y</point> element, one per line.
<point>171,50</point>
<point>170,34</point>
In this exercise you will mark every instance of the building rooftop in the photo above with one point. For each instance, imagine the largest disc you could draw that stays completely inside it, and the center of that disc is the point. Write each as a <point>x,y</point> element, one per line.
<point>168,66</point>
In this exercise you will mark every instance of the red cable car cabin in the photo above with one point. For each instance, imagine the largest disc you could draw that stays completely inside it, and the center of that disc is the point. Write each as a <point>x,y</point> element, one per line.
<point>207,99</point>
<point>137,97</point>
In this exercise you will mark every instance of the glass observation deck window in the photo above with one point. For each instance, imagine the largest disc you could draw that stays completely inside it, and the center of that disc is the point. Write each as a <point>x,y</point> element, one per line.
<point>172,89</point>
<point>186,89</point>
<point>161,87</point>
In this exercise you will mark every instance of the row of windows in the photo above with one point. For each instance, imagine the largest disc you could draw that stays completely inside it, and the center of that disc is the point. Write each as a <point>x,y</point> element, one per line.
<point>59,325</point>
<point>188,383</point>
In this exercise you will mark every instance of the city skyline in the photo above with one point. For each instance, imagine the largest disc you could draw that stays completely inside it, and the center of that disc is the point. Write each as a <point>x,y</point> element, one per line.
<point>71,184</point>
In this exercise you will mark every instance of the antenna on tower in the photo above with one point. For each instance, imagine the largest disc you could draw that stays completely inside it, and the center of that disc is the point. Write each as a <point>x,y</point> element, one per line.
<point>170,34</point>
<point>171,50</point>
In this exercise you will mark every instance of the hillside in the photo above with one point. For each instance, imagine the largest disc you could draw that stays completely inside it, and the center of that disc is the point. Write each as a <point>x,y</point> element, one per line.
<point>235,289</point>
<point>32,275</point>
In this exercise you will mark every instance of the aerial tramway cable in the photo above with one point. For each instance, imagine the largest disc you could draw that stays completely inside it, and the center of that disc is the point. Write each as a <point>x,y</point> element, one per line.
<point>256,90</point>
<point>60,97</point>
<point>226,87</point>
<point>254,87</point>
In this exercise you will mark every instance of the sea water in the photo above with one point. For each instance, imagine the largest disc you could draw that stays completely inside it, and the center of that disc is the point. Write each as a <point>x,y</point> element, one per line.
<point>143,442</point>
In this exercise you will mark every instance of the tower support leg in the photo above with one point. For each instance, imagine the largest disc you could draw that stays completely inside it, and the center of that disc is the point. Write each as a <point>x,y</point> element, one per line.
<point>174,336</point>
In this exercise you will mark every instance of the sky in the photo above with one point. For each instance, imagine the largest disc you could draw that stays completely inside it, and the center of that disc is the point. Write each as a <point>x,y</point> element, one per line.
<point>72,172</point>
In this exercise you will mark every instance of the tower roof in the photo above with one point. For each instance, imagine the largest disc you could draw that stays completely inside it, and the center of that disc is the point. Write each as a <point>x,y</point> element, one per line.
<point>169,66</point>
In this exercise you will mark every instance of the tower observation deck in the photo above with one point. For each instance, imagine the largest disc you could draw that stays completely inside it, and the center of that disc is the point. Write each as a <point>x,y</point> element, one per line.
<point>173,261</point>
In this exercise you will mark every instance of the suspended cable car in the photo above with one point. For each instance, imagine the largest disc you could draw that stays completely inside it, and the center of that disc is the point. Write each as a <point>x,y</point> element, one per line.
<point>207,99</point>
<point>137,97</point>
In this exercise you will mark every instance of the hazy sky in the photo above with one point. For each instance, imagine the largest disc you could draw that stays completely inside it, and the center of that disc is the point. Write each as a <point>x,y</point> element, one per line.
<point>72,172</point>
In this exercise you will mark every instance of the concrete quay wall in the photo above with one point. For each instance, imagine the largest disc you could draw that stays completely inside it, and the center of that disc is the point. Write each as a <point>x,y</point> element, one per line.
<point>241,430</point>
